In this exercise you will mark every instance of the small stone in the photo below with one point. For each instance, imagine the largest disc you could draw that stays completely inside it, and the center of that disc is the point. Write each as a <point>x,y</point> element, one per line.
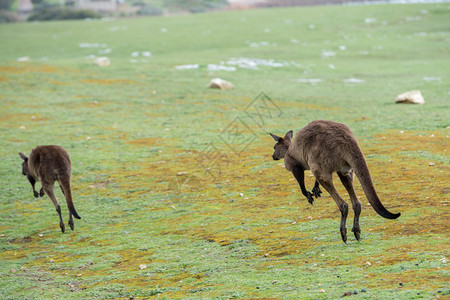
<point>51,260</point>
<point>13,270</point>
<point>142,267</point>
<point>23,59</point>
<point>368,264</point>
<point>322,291</point>
<point>431,164</point>
<point>266,255</point>
<point>218,83</point>
<point>102,61</point>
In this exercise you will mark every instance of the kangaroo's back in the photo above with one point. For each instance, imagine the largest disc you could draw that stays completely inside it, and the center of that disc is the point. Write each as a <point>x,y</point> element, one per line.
<point>324,142</point>
<point>50,163</point>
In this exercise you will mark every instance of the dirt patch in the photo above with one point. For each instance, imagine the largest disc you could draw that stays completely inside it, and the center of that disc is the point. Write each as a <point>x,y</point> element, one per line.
<point>24,240</point>
<point>15,118</point>
<point>108,81</point>
<point>27,68</point>
<point>132,259</point>
<point>397,141</point>
<point>407,280</point>
<point>146,142</point>
<point>267,207</point>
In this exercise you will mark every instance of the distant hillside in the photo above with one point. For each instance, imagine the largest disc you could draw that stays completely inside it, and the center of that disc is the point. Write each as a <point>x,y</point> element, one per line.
<point>275,3</point>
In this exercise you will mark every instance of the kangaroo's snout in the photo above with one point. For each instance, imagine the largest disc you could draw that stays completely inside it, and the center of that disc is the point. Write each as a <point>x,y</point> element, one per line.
<point>274,158</point>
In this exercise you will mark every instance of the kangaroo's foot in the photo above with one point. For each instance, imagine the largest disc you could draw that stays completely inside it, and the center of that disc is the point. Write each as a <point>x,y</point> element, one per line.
<point>71,224</point>
<point>41,192</point>
<point>36,194</point>
<point>310,198</point>
<point>316,191</point>
<point>63,228</point>
<point>357,232</point>
<point>344,234</point>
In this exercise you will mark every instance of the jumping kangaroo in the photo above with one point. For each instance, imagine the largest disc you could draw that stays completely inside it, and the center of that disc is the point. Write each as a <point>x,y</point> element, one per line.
<point>48,164</point>
<point>325,147</point>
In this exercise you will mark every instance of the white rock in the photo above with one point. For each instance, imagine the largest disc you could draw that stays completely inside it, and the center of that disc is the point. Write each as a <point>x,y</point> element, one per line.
<point>353,80</point>
<point>312,81</point>
<point>187,67</point>
<point>102,61</point>
<point>370,20</point>
<point>218,83</point>
<point>414,97</point>
<point>212,68</point>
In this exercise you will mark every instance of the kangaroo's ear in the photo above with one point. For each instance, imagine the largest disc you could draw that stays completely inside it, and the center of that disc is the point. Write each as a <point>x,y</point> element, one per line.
<point>23,156</point>
<point>276,137</point>
<point>289,135</point>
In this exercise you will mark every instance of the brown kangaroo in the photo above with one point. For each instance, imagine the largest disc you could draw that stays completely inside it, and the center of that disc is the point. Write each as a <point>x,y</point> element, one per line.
<point>48,164</point>
<point>325,147</point>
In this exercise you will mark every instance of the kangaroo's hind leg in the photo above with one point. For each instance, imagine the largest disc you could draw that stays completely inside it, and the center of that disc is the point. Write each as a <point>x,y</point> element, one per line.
<point>347,181</point>
<point>71,223</point>
<point>48,188</point>
<point>326,180</point>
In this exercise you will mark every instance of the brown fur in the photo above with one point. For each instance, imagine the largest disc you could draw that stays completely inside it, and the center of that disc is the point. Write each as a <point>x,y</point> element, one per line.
<point>48,164</point>
<point>325,147</point>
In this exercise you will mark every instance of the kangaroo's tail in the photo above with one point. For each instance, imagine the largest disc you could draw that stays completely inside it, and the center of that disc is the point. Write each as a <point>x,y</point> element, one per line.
<point>362,172</point>
<point>65,185</point>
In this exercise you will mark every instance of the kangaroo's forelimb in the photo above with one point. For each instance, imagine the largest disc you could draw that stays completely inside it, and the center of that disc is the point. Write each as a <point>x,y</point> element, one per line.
<point>299,174</point>
<point>33,183</point>
<point>316,190</point>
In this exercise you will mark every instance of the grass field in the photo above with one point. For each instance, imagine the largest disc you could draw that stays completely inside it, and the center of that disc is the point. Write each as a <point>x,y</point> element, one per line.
<point>175,184</point>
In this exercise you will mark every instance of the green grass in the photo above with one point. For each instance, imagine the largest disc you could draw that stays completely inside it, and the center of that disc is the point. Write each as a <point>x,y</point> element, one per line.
<point>138,135</point>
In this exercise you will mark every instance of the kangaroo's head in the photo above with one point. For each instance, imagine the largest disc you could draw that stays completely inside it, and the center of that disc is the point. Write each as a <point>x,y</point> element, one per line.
<point>282,145</point>
<point>24,164</point>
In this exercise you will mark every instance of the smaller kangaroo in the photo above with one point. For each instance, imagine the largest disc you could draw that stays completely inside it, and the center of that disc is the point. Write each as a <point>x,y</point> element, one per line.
<point>325,147</point>
<point>48,164</point>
